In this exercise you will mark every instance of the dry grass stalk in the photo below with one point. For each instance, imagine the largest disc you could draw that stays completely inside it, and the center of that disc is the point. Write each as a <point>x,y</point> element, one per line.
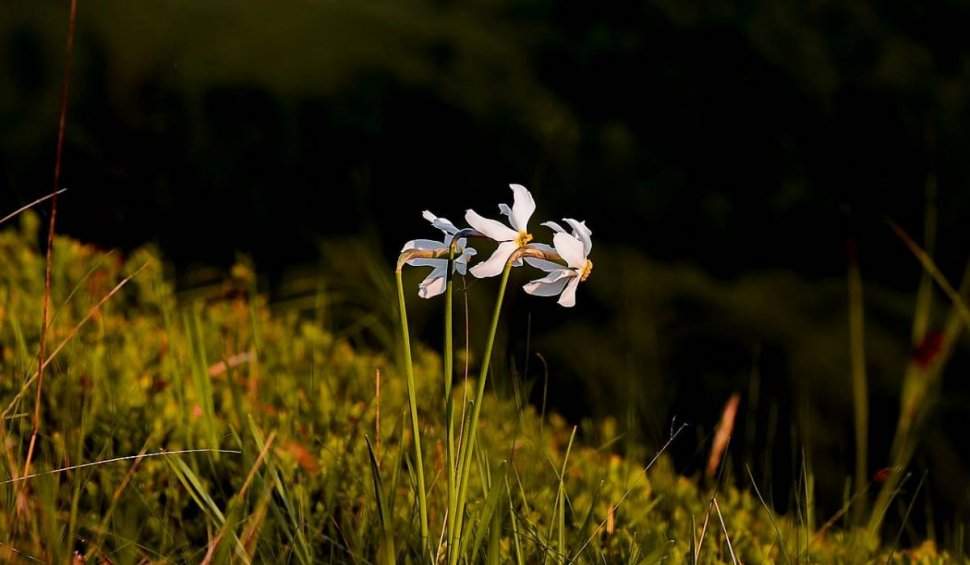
<point>723,436</point>
<point>62,121</point>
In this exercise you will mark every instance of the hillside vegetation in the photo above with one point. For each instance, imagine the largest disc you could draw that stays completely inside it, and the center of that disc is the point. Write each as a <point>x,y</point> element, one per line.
<point>290,405</point>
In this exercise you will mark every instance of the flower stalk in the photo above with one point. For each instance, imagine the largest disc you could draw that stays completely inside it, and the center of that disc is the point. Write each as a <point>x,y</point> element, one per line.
<point>406,256</point>
<point>566,264</point>
<point>448,398</point>
<point>467,446</point>
<point>412,401</point>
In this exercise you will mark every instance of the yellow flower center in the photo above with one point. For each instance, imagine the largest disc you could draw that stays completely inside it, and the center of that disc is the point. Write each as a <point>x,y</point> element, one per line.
<point>586,270</point>
<point>523,238</point>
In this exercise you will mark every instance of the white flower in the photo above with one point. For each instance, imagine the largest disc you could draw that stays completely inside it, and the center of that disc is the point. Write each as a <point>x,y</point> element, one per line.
<point>580,232</point>
<point>436,281</point>
<point>562,280</point>
<point>509,239</point>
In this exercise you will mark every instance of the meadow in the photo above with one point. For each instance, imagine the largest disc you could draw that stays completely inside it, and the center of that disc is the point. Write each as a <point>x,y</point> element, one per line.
<point>212,426</point>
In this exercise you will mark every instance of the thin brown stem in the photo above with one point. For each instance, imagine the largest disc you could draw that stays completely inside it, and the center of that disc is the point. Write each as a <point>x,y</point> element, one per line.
<point>59,152</point>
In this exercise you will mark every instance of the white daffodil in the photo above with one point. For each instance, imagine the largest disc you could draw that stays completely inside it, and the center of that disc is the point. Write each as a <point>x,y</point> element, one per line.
<point>509,238</point>
<point>436,281</point>
<point>580,232</point>
<point>562,280</point>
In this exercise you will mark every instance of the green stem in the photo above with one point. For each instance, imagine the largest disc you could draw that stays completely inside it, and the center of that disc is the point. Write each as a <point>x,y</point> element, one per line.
<point>449,400</point>
<point>449,356</point>
<point>412,401</point>
<point>467,446</point>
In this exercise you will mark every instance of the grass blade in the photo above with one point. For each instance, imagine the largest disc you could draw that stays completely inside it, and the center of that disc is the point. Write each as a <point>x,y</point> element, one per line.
<point>930,267</point>
<point>386,553</point>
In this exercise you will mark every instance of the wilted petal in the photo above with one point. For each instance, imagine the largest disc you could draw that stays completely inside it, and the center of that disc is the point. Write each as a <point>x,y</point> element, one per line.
<point>570,249</point>
<point>549,285</point>
<point>522,207</point>
<point>581,232</point>
<point>553,226</point>
<point>490,228</point>
<point>568,297</point>
<point>505,210</point>
<point>496,263</point>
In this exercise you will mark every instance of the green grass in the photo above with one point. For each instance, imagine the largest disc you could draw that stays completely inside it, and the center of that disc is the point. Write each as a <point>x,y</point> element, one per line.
<point>305,473</point>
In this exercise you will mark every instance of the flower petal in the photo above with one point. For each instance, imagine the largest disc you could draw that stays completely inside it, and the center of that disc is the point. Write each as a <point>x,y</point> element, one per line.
<point>582,233</point>
<point>496,263</point>
<point>461,262</point>
<point>426,244</point>
<point>505,210</point>
<point>425,262</point>
<point>547,266</point>
<point>443,224</point>
<point>522,207</point>
<point>490,228</point>
<point>554,276</point>
<point>568,297</point>
<point>570,249</point>
<point>578,226</point>
<point>553,226</point>
<point>464,250</point>
<point>434,284</point>
<point>547,287</point>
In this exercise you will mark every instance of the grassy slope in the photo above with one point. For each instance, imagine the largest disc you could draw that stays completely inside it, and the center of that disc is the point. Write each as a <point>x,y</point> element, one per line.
<point>149,372</point>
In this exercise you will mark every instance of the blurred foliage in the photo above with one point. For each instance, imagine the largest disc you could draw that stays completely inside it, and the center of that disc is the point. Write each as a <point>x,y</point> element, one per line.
<point>139,375</point>
<point>728,133</point>
<point>674,343</point>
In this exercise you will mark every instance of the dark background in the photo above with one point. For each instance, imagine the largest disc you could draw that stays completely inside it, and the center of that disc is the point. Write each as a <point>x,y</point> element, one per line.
<point>723,153</point>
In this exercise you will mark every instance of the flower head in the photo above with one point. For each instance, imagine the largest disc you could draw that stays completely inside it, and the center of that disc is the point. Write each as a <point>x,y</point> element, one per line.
<point>580,232</point>
<point>562,280</point>
<point>509,238</point>
<point>436,281</point>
